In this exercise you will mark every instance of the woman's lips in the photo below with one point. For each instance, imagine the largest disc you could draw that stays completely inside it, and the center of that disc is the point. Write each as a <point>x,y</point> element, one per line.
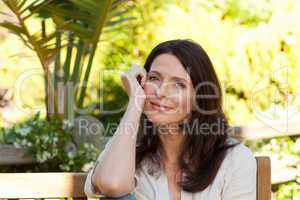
<point>159,108</point>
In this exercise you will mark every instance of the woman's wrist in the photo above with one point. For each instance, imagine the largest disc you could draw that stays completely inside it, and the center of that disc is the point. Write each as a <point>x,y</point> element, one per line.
<point>131,117</point>
<point>136,104</point>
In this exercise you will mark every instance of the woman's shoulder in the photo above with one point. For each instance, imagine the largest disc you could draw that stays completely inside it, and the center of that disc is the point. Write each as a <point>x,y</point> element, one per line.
<point>238,177</point>
<point>239,150</point>
<point>239,155</point>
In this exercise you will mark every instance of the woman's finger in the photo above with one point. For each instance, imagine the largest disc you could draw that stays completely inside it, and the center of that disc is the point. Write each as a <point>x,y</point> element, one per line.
<point>144,77</point>
<point>139,73</point>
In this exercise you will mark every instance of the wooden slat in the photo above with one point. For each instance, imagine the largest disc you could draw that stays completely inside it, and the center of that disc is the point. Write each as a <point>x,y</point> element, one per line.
<point>42,185</point>
<point>283,175</point>
<point>10,155</point>
<point>256,131</point>
<point>263,187</point>
<point>56,185</point>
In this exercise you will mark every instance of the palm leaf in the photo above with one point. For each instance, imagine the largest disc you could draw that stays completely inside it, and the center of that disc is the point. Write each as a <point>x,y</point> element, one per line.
<point>89,6</point>
<point>76,22</point>
<point>56,10</point>
<point>32,40</point>
<point>14,28</point>
<point>40,43</point>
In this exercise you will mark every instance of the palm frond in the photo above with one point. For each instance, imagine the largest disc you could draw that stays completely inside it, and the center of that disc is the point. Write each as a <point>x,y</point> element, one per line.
<point>89,6</point>
<point>14,28</point>
<point>78,24</point>
<point>35,41</point>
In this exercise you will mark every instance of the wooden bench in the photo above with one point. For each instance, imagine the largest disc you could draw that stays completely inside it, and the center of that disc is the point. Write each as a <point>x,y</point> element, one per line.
<point>263,187</point>
<point>57,185</point>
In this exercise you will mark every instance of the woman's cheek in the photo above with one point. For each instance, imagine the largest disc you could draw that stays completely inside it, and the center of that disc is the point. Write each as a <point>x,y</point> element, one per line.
<point>149,91</point>
<point>184,104</point>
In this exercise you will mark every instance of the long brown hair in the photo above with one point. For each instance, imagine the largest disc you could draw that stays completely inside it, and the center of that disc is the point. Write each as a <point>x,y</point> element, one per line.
<point>202,153</point>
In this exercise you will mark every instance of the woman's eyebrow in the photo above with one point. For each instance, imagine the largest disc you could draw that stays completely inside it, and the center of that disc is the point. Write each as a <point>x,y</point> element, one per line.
<point>174,77</point>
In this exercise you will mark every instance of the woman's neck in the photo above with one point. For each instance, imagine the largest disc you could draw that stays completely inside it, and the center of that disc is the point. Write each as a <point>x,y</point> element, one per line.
<point>171,145</point>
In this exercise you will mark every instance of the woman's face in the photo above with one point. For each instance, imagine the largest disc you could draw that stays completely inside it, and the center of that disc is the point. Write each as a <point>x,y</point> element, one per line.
<point>169,91</point>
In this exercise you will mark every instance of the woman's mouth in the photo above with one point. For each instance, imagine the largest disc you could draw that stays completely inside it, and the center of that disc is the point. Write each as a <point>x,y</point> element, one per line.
<point>159,107</point>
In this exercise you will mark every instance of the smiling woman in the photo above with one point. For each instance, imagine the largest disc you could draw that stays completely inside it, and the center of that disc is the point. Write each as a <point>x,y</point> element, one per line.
<point>169,92</point>
<point>172,142</point>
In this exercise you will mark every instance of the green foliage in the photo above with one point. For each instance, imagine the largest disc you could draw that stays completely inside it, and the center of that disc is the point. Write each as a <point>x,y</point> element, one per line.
<point>284,151</point>
<point>252,62</point>
<point>253,44</point>
<point>288,191</point>
<point>51,145</point>
<point>129,45</point>
<point>110,98</point>
<point>246,12</point>
<point>72,43</point>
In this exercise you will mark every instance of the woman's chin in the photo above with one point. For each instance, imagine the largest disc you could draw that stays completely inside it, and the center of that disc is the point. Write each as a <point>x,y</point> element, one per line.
<point>158,118</point>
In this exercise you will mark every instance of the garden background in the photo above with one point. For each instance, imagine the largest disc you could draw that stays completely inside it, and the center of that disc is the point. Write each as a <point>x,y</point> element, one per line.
<point>254,46</point>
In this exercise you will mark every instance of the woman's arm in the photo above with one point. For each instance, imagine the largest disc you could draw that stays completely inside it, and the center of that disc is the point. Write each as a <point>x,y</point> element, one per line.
<point>114,174</point>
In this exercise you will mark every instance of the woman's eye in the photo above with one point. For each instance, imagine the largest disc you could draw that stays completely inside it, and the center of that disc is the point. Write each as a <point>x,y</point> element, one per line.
<point>181,85</point>
<point>151,78</point>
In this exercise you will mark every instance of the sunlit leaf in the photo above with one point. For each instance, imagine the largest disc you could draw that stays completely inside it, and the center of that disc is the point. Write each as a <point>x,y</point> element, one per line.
<point>87,5</point>
<point>12,27</point>
<point>82,32</point>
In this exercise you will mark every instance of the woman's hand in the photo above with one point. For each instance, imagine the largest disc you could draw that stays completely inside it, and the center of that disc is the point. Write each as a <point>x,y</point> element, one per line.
<point>131,83</point>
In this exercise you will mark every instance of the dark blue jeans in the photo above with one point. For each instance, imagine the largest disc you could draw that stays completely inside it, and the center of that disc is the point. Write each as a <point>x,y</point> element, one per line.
<point>125,197</point>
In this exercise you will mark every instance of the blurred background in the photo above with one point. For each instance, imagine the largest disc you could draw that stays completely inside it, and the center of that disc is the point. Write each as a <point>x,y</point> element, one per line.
<point>253,44</point>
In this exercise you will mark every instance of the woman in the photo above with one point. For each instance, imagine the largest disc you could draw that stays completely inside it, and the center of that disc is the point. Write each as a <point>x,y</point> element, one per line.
<point>172,142</point>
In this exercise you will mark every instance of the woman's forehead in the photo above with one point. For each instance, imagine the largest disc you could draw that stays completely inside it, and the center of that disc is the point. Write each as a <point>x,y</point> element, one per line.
<point>169,65</point>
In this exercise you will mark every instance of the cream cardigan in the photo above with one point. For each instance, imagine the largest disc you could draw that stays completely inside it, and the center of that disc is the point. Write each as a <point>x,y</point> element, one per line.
<point>235,180</point>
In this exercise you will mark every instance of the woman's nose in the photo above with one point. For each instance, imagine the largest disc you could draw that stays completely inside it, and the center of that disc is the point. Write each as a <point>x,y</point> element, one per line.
<point>162,90</point>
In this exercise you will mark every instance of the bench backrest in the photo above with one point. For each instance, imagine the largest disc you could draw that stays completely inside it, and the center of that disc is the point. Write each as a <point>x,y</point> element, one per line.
<point>263,184</point>
<point>56,185</point>
<point>42,185</point>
